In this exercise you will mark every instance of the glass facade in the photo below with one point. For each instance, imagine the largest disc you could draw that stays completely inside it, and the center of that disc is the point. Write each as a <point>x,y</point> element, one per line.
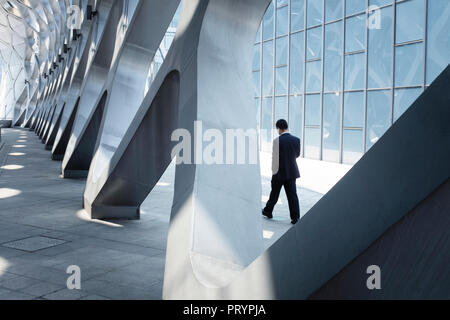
<point>343,71</point>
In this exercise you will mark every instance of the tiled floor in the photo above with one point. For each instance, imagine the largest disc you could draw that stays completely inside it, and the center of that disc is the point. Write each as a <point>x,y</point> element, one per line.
<point>118,259</point>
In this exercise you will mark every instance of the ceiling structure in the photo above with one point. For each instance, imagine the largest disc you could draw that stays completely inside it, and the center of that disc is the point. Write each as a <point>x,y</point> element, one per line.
<point>32,38</point>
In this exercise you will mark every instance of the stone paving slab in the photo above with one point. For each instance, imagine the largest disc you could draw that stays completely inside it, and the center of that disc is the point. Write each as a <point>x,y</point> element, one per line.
<point>33,244</point>
<point>118,259</point>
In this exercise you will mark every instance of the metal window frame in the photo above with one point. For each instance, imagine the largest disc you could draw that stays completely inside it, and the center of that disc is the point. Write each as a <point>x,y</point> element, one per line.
<point>342,91</point>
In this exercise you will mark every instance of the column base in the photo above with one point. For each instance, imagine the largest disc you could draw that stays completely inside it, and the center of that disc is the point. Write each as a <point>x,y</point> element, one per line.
<point>75,174</point>
<point>112,212</point>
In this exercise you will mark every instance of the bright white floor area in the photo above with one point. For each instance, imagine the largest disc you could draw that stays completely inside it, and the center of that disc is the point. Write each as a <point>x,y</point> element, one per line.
<point>118,259</point>
<point>317,178</point>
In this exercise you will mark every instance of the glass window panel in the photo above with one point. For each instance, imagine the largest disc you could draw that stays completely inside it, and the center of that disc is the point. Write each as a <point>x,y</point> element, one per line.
<point>403,99</point>
<point>282,52</point>
<point>296,63</point>
<point>312,143</point>
<point>378,115</point>
<point>258,112</point>
<point>314,12</point>
<point>354,71</point>
<point>281,80</point>
<point>282,21</point>
<point>297,15</point>
<point>314,43</point>
<point>268,23</point>
<point>258,34</point>
<point>331,127</point>
<point>409,20</point>
<point>380,2</point>
<point>281,3</point>
<point>438,40</point>
<point>380,52</point>
<point>409,65</point>
<point>281,109</point>
<point>256,83</point>
<point>333,10</point>
<point>295,115</point>
<point>313,76</point>
<point>354,109</point>
<point>354,6</point>
<point>268,68</point>
<point>256,57</point>
<point>352,146</point>
<point>266,125</point>
<point>333,57</point>
<point>355,33</point>
<point>312,110</point>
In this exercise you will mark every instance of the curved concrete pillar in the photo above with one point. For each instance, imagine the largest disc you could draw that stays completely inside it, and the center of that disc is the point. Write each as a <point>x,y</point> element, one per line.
<point>82,64</point>
<point>46,105</point>
<point>80,146</point>
<point>20,108</point>
<point>40,119</point>
<point>31,113</point>
<point>31,110</point>
<point>57,86</point>
<point>128,74</point>
<point>61,99</point>
<point>215,228</point>
<point>53,101</point>
<point>35,119</point>
<point>47,127</point>
<point>44,118</point>
<point>144,160</point>
<point>44,123</point>
<point>128,84</point>
<point>21,118</point>
<point>43,102</point>
<point>58,153</point>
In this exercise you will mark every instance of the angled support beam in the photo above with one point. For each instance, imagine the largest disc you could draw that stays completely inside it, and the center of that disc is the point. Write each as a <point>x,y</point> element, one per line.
<point>47,127</point>
<point>52,134</point>
<point>35,119</point>
<point>60,150</point>
<point>31,111</point>
<point>61,100</point>
<point>21,119</point>
<point>130,75</point>
<point>144,160</point>
<point>83,61</point>
<point>78,165</point>
<point>27,123</point>
<point>44,118</point>
<point>78,155</point>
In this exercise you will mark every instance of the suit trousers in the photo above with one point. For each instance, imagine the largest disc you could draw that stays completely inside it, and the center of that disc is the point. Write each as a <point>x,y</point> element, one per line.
<point>291,193</point>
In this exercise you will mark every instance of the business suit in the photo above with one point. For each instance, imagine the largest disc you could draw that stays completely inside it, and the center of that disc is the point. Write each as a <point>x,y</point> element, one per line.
<point>286,149</point>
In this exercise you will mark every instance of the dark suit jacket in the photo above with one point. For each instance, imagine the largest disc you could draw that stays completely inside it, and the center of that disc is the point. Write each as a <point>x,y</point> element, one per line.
<point>286,150</point>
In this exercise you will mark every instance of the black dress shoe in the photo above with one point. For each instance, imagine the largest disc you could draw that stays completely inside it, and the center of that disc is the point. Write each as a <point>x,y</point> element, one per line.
<point>294,221</point>
<point>268,215</point>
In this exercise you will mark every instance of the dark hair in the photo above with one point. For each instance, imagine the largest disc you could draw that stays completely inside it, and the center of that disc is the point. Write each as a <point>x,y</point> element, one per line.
<point>282,124</point>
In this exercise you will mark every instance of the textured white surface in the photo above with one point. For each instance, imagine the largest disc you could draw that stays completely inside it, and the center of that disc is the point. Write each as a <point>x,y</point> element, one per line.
<point>32,34</point>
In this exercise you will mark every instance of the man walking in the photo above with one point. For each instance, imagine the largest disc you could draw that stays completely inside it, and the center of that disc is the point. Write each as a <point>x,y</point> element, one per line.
<point>286,149</point>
